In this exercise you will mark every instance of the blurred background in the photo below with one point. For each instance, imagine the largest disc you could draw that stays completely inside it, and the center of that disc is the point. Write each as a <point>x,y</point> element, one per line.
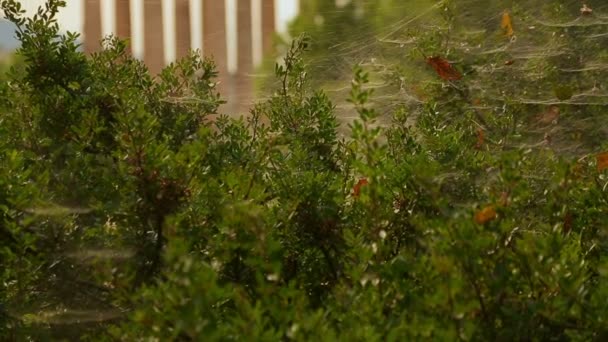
<point>246,38</point>
<point>237,33</point>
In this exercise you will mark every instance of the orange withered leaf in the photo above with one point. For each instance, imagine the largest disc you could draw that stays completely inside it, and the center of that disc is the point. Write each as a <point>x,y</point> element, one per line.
<point>358,186</point>
<point>602,161</point>
<point>443,68</point>
<point>506,24</point>
<point>485,215</point>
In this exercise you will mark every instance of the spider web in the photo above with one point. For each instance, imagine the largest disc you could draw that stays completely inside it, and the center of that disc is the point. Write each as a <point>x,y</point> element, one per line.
<point>551,71</point>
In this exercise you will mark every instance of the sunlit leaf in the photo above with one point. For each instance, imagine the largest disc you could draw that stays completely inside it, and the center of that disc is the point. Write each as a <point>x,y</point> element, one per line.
<point>107,254</point>
<point>57,210</point>
<point>485,215</point>
<point>506,24</point>
<point>443,68</point>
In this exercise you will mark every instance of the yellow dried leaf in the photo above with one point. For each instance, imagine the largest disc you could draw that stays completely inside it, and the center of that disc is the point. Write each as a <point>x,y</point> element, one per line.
<point>485,215</point>
<point>602,161</point>
<point>506,24</point>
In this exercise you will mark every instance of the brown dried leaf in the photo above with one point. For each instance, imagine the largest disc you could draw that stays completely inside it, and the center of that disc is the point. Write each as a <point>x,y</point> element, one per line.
<point>549,116</point>
<point>586,10</point>
<point>443,68</point>
<point>485,215</point>
<point>480,139</point>
<point>568,221</point>
<point>602,161</point>
<point>358,186</point>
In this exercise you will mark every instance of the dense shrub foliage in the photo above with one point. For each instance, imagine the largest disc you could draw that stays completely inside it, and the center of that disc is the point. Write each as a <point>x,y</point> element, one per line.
<point>128,214</point>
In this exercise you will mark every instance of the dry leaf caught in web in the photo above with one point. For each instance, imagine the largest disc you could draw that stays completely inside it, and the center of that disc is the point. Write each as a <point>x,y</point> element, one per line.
<point>549,116</point>
<point>480,139</point>
<point>602,161</point>
<point>506,25</point>
<point>358,186</point>
<point>586,10</point>
<point>443,68</point>
<point>485,215</point>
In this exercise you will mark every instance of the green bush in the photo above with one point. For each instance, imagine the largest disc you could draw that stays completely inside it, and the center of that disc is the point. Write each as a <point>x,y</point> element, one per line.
<point>128,215</point>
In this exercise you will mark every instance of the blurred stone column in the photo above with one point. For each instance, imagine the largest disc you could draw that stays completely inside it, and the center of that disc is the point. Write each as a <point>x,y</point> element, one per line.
<point>154,56</point>
<point>92,26</point>
<point>123,21</point>
<point>182,28</point>
<point>244,84</point>
<point>214,40</point>
<point>268,25</point>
